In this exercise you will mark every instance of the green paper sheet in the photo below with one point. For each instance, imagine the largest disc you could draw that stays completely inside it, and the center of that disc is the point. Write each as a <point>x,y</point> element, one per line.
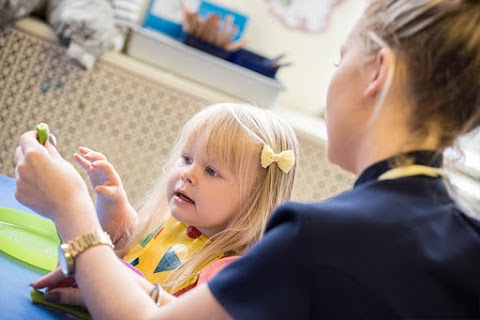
<point>77,311</point>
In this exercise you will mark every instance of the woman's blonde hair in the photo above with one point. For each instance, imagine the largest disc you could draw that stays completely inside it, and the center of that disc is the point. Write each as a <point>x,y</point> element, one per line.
<point>438,44</point>
<point>236,135</point>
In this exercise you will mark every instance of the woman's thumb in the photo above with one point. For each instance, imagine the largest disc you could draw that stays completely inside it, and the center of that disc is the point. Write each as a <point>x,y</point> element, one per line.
<point>51,145</point>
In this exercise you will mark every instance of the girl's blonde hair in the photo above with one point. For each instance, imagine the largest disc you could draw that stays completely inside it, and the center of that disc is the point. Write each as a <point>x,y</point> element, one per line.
<point>236,135</point>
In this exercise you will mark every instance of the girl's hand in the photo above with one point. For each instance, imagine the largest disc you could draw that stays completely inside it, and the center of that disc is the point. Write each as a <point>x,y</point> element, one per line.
<point>59,288</point>
<point>114,211</point>
<point>104,179</point>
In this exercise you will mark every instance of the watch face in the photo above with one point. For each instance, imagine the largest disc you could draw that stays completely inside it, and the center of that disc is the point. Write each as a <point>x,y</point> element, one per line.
<point>65,260</point>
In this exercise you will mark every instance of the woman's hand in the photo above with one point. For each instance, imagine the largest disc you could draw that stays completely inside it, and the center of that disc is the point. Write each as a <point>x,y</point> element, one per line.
<point>52,187</point>
<point>45,181</point>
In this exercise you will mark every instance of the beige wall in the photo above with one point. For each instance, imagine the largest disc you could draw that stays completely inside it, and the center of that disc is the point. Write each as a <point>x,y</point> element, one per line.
<point>313,54</point>
<point>126,109</point>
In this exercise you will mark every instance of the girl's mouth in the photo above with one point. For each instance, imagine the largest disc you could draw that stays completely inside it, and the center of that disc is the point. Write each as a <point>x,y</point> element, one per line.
<point>184,197</point>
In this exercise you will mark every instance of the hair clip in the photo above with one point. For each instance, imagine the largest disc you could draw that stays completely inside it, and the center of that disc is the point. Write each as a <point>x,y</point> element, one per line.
<point>285,159</point>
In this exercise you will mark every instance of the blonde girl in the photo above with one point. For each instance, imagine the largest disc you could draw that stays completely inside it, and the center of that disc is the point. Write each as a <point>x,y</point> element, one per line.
<point>211,204</point>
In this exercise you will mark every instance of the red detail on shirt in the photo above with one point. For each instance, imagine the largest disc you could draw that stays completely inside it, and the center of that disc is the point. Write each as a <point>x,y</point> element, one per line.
<point>193,232</point>
<point>158,232</point>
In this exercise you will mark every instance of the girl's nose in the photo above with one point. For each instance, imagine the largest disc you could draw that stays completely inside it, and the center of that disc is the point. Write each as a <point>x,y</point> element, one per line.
<point>187,175</point>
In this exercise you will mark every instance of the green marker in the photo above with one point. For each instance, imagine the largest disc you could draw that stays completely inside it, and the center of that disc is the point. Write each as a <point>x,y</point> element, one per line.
<point>42,132</point>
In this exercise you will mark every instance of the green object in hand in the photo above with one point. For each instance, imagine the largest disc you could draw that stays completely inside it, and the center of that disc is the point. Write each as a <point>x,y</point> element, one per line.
<point>77,311</point>
<point>42,132</point>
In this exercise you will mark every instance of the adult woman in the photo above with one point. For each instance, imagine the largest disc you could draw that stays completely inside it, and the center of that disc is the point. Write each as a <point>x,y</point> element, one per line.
<point>396,246</point>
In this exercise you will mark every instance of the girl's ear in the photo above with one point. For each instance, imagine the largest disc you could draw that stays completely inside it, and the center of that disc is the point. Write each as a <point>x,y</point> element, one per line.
<point>381,70</point>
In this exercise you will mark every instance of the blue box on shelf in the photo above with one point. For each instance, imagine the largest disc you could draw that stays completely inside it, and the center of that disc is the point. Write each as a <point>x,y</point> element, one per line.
<point>207,47</point>
<point>255,62</point>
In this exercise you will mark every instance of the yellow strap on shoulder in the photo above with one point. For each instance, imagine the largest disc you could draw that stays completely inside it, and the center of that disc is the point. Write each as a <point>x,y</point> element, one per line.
<point>411,170</point>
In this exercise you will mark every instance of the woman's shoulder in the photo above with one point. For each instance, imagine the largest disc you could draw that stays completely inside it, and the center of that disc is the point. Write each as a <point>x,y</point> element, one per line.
<point>375,203</point>
<point>375,195</point>
<point>367,213</point>
<point>344,206</point>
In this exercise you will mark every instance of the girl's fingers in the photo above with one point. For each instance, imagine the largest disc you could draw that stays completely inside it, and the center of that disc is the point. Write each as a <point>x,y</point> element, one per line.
<point>95,156</point>
<point>108,171</point>
<point>84,163</point>
<point>69,296</point>
<point>91,155</point>
<point>84,150</point>
<point>105,190</point>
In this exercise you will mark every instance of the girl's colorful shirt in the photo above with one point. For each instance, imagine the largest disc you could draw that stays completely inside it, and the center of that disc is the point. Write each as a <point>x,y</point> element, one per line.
<point>166,249</point>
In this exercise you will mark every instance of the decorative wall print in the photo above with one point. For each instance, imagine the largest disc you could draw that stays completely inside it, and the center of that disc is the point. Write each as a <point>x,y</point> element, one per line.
<point>305,15</point>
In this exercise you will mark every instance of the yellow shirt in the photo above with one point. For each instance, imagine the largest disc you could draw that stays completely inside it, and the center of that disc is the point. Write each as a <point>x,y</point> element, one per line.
<point>166,249</point>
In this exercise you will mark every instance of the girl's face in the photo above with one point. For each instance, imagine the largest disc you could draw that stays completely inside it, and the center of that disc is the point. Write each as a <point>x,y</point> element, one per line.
<point>200,192</point>
<point>346,111</point>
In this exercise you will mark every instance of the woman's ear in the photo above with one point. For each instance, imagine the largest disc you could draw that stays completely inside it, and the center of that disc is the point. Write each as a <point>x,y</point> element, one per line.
<point>381,73</point>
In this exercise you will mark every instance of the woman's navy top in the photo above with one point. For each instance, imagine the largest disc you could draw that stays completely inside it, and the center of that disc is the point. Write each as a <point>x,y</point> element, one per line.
<point>392,249</point>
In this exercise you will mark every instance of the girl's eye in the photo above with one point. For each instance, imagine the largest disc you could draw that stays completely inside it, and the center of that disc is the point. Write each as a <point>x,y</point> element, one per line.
<point>211,172</point>
<point>187,159</point>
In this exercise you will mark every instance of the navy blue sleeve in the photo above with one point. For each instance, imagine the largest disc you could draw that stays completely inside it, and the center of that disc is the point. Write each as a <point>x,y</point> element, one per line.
<point>274,278</point>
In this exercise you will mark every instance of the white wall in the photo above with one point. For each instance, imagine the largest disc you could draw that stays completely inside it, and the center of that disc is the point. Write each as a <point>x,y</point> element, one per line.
<point>312,54</point>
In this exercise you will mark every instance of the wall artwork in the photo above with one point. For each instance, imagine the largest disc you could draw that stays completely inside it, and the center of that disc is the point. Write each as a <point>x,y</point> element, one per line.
<point>304,15</point>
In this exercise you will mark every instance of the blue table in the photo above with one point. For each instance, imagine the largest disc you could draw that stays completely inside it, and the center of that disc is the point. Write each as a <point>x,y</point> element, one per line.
<point>15,275</point>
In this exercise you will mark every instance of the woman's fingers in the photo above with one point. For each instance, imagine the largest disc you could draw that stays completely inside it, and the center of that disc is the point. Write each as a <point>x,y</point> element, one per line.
<point>45,182</point>
<point>52,139</point>
<point>18,155</point>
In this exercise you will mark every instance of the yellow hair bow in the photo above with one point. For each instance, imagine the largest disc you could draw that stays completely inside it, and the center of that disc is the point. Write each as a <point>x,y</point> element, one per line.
<point>285,159</point>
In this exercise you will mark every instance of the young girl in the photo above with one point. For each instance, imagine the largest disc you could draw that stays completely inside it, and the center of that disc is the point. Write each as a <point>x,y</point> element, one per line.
<point>213,201</point>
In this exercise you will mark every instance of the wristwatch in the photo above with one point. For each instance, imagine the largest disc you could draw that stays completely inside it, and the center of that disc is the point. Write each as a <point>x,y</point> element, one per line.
<point>67,252</point>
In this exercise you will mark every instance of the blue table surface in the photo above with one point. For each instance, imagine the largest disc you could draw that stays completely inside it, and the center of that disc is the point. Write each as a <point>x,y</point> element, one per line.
<point>15,275</point>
